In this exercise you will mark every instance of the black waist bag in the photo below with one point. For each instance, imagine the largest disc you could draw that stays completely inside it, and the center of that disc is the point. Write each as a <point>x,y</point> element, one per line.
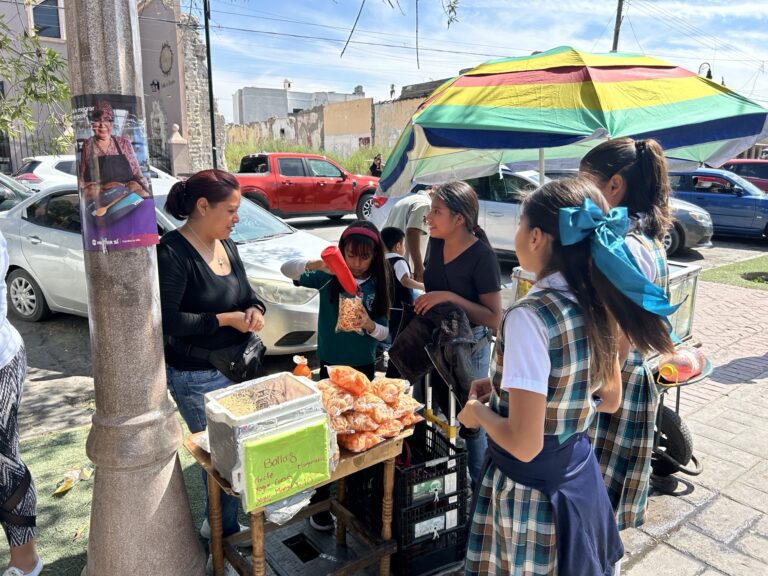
<point>238,363</point>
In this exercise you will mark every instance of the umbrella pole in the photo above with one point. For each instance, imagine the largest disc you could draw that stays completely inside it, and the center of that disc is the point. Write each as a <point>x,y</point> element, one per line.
<point>541,166</point>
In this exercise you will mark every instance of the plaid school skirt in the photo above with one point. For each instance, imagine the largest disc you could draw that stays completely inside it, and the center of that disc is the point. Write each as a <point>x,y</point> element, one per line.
<point>512,530</point>
<point>623,444</point>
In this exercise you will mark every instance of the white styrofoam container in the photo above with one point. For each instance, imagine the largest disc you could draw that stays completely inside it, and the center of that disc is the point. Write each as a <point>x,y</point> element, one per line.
<point>226,432</point>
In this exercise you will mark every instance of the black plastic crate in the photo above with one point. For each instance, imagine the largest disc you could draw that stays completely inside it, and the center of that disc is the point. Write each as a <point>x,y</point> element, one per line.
<point>431,556</point>
<point>429,472</point>
<point>430,520</point>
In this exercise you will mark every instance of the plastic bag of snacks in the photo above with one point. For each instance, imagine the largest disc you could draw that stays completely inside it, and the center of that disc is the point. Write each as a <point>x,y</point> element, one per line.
<point>360,422</point>
<point>350,379</point>
<point>389,389</point>
<point>410,418</point>
<point>351,309</point>
<point>335,400</point>
<point>360,441</point>
<point>340,425</point>
<point>406,405</point>
<point>390,428</point>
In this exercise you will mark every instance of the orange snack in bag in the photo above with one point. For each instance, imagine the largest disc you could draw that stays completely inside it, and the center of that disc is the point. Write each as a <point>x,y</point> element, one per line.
<point>340,425</point>
<point>389,389</point>
<point>359,442</point>
<point>360,422</point>
<point>374,406</point>
<point>406,405</point>
<point>390,428</point>
<point>411,418</point>
<point>336,400</point>
<point>349,379</point>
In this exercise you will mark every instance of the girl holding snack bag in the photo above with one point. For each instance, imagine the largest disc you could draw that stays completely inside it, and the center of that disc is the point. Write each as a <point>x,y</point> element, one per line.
<point>349,326</point>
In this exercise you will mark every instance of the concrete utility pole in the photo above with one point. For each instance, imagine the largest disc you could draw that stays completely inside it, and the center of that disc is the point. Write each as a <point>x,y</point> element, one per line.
<point>140,518</point>
<point>617,26</point>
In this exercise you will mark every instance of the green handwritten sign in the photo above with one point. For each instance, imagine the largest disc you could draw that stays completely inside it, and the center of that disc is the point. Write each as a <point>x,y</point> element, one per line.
<point>282,465</point>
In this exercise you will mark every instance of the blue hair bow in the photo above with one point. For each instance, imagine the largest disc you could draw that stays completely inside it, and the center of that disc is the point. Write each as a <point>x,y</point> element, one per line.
<point>611,254</point>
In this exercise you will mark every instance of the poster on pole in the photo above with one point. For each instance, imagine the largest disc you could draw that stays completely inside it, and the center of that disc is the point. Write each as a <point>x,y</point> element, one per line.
<point>116,205</point>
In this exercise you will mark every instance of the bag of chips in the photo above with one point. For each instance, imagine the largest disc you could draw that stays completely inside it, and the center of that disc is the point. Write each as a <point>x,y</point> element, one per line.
<point>390,428</point>
<point>406,405</point>
<point>350,379</point>
<point>411,418</point>
<point>335,400</point>
<point>389,389</point>
<point>360,441</point>
<point>351,309</point>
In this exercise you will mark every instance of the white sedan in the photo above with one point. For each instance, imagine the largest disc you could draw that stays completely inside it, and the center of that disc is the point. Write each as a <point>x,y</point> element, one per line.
<point>39,173</point>
<point>47,272</point>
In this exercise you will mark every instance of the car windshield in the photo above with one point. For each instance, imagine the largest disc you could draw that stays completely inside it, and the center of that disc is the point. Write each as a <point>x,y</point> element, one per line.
<point>747,185</point>
<point>255,223</point>
<point>16,187</point>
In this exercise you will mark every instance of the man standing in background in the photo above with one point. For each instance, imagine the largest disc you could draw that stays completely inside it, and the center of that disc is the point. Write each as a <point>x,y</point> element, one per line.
<point>409,214</point>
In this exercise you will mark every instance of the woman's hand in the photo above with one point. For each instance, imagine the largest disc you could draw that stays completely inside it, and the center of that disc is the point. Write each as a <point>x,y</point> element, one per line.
<point>425,302</point>
<point>254,318</point>
<point>468,415</point>
<point>480,390</point>
<point>137,188</point>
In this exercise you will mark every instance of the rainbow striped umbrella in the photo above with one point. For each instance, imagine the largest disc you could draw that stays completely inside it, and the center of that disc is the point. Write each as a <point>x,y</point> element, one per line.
<point>563,102</point>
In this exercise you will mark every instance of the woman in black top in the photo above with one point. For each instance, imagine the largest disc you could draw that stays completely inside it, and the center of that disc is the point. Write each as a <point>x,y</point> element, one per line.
<point>462,268</point>
<point>206,299</point>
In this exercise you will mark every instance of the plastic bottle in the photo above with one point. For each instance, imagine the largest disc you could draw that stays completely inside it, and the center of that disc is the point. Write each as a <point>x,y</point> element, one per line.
<point>681,366</point>
<point>302,369</point>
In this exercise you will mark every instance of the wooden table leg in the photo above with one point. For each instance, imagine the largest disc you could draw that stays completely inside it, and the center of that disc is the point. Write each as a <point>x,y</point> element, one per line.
<point>386,511</point>
<point>214,520</point>
<point>341,496</point>
<point>257,543</point>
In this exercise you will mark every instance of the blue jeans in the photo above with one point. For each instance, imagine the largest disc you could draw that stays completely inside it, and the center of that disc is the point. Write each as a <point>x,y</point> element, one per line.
<point>477,443</point>
<point>188,388</point>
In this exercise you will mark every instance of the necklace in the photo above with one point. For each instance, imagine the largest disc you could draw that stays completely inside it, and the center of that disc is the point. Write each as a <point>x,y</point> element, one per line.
<point>219,260</point>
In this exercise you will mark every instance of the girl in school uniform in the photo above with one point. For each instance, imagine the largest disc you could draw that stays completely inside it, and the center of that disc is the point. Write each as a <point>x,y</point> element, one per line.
<point>633,174</point>
<point>363,251</point>
<point>541,507</point>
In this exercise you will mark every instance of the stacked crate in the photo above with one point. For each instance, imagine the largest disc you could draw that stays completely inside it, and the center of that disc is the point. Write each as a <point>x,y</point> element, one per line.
<point>430,503</point>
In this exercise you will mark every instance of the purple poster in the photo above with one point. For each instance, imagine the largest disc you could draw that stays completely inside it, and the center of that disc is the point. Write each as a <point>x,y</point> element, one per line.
<point>116,204</point>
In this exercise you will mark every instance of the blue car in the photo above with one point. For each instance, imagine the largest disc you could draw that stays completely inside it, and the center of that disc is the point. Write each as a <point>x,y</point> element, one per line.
<point>737,207</point>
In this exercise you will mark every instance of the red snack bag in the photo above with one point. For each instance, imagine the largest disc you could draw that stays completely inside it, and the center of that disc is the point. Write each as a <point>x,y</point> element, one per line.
<point>350,379</point>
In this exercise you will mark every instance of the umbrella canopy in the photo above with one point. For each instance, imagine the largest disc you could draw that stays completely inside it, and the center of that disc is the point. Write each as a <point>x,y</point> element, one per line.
<point>503,112</point>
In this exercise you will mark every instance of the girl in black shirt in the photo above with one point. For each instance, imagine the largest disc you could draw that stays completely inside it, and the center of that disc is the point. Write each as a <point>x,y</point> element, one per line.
<point>205,296</point>
<point>461,267</point>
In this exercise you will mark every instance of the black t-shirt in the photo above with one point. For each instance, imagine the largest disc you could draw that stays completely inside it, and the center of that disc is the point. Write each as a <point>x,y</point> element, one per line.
<point>375,170</point>
<point>191,295</point>
<point>473,272</point>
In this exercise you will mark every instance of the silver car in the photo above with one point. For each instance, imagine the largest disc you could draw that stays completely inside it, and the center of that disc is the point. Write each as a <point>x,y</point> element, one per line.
<point>500,197</point>
<point>47,272</point>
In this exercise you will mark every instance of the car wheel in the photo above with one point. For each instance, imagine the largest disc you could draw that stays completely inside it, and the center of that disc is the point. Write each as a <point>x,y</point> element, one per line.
<point>336,217</point>
<point>259,200</point>
<point>25,298</point>
<point>364,207</point>
<point>671,240</point>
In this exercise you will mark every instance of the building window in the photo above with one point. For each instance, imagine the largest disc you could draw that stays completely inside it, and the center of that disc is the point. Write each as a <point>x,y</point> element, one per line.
<point>46,19</point>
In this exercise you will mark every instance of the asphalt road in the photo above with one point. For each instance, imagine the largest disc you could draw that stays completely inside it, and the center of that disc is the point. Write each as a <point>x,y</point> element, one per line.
<point>59,389</point>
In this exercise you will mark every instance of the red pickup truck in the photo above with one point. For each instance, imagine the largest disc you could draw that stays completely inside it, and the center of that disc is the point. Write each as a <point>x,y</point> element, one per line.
<point>289,185</point>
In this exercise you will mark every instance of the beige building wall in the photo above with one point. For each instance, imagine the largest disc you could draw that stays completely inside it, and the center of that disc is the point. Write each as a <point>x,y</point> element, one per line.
<point>348,125</point>
<point>389,119</point>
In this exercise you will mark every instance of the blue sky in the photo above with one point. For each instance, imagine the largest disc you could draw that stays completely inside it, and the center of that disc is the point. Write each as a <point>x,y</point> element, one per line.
<point>259,43</point>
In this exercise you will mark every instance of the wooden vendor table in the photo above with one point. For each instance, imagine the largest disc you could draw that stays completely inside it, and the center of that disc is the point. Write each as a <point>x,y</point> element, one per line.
<point>380,548</point>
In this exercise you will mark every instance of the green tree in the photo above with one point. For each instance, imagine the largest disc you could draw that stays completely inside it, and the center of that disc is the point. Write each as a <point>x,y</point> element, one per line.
<point>36,95</point>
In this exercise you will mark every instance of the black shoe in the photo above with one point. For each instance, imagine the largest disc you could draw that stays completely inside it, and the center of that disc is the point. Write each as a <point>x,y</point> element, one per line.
<point>322,521</point>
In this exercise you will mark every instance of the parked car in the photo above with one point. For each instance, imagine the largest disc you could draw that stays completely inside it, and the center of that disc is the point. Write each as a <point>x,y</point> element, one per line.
<point>40,172</point>
<point>291,185</point>
<point>500,196</point>
<point>692,226</point>
<point>47,273</point>
<point>755,171</point>
<point>11,192</point>
<point>737,206</point>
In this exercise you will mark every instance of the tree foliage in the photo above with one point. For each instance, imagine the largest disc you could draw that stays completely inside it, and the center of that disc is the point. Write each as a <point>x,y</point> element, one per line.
<point>36,96</point>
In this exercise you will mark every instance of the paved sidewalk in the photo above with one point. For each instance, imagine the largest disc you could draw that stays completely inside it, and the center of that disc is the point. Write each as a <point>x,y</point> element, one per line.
<point>718,522</point>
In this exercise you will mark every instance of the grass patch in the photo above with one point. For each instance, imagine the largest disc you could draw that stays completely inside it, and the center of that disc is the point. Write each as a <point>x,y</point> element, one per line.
<point>64,522</point>
<point>731,273</point>
<point>357,163</point>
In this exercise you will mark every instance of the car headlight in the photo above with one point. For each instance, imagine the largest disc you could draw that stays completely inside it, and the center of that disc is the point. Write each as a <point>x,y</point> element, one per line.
<point>702,217</point>
<point>280,292</point>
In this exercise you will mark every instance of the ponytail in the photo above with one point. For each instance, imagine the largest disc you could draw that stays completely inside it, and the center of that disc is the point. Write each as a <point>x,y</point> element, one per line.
<point>604,307</point>
<point>642,166</point>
